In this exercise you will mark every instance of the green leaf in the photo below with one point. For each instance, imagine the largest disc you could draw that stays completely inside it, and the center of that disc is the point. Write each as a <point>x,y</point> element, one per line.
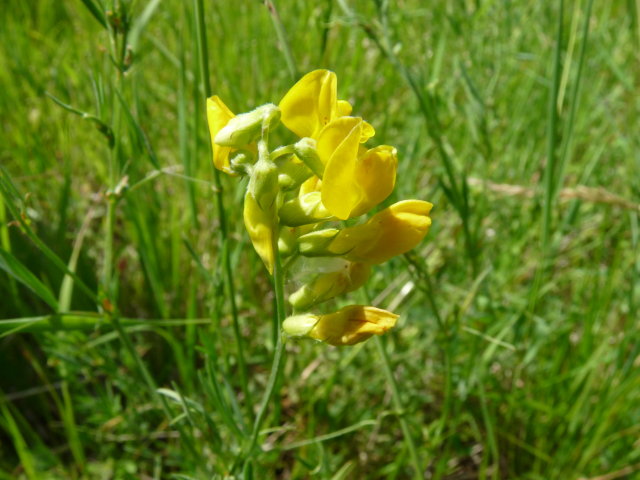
<point>17,270</point>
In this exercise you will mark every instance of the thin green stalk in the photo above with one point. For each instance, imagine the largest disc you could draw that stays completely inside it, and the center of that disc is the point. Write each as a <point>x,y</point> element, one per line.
<point>276,366</point>
<point>397,404</point>
<point>552,138</point>
<point>574,98</point>
<point>282,38</point>
<point>203,58</point>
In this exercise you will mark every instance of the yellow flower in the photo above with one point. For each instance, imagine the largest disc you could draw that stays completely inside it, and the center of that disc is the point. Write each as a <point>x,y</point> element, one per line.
<point>355,179</point>
<point>347,326</point>
<point>390,232</point>
<point>312,103</point>
<point>218,115</point>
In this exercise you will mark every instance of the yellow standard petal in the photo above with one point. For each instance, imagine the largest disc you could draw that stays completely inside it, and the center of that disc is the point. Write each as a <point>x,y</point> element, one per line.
<point>352,324</point>
<point>338,145</point>
<point>390,232</point>
<point>311,103</point>
<point>218,115</point>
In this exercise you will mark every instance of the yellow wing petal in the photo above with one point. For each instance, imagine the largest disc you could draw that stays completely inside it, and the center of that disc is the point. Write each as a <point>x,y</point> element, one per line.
<point>375,174</point>
<point>338,145</point>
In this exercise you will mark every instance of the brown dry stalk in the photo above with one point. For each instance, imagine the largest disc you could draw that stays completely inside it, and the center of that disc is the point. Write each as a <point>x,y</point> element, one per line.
<point>589,194</point>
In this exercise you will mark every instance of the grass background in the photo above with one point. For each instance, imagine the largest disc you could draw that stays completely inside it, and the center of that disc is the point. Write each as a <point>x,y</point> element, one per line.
<point>517,352</point>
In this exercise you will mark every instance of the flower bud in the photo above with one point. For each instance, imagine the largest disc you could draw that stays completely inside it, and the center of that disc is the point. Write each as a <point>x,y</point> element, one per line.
<point>245,128</point>
<point>316,244</point>
<point>303,210</point>
<point>299,325</point>
<point>291,172</point>
<point>305,149</point>
<point>263,184</point>
<point>241,161</point>
<point>346,277</point>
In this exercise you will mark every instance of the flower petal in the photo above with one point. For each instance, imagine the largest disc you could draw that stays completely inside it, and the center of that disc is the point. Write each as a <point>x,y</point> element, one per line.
<point>310,104</point>
<point>218,115</point>
<point>375,175</point>
<point>390,232</point>
<point>352,324</point>
<point>338,145</point>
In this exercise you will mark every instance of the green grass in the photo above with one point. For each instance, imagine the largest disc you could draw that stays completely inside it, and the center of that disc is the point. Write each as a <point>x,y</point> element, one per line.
<point>139,331</point>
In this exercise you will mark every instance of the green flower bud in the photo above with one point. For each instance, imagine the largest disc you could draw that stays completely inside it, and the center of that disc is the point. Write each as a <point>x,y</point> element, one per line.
<point>305,149</point>
<point>291,172</point>
<point>344,277</point>
<point>304,210</point>
<point>263,184</point>
<point>245,128</point>
<point>287,245</point>
<point>241,161</point>
<point>299,325</point>
<point>316,244</point>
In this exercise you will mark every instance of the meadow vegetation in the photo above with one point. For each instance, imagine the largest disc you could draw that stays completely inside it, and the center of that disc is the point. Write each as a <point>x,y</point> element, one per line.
<point>517,352</point>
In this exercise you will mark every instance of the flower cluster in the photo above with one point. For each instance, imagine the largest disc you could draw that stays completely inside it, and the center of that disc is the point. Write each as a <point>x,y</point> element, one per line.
<point>299,194</point>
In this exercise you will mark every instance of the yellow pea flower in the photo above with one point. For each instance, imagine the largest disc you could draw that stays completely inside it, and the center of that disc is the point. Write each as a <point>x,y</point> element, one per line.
<point>347,326</point>
<point>344,277</point>
<point>390,232</point>
<point>313,102</point>
<point>355,179</point>
<point>218,115</point>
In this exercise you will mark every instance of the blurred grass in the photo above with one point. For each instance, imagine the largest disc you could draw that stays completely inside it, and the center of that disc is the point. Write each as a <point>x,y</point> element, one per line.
<point>516,356</point>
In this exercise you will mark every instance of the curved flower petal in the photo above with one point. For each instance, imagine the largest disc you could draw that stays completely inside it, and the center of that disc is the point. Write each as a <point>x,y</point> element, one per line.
<point>218,115</point>
<point>375,175</point>
<point>390,232</point>
<point>344,108</point>
<point>352,324</point>
<point>260,224</point>
<point>310,104</point>
<point>338,145</point>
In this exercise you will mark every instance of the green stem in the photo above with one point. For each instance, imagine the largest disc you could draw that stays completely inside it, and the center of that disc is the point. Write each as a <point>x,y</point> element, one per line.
<point>276,367</point>
<point>552,135</point>
<point>203,54</point>
<point>397,404</point>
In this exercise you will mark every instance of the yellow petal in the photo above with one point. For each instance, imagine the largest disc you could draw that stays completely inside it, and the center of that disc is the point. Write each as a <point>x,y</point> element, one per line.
<point>367,132</point>
<point>375,175</point>
<point>260,225</point>
<point>343,108</point>
<point>338,145</point>
<point>218,115</point>
<point>390,232</point>
<point>312,184</point>
<point>352,324</point>
<point>310,104</point>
